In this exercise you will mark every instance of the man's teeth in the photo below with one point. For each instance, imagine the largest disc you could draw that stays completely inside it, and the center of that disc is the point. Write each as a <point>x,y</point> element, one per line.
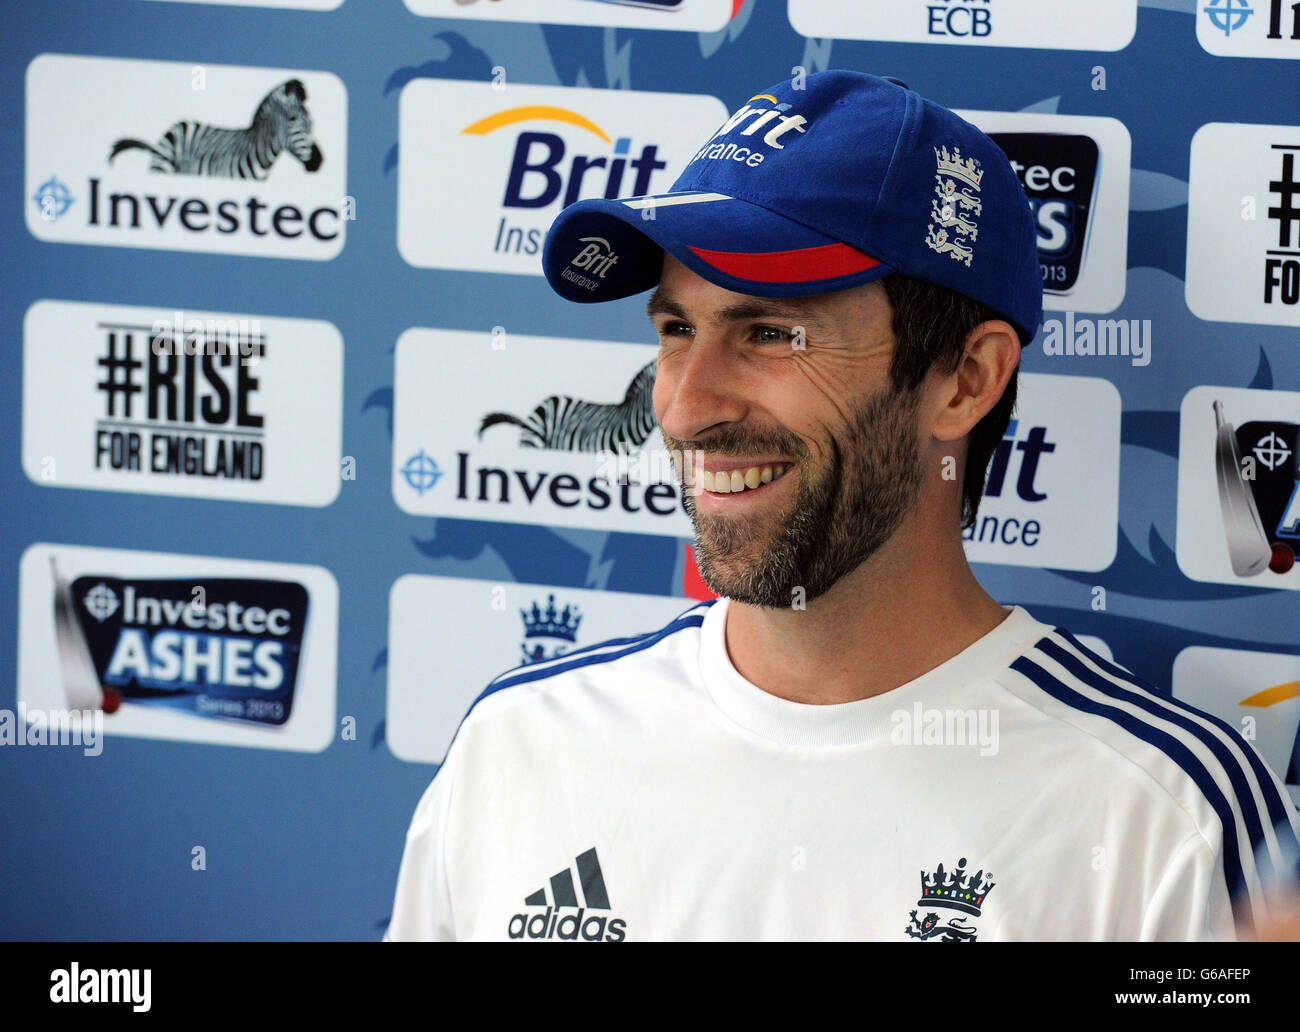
<point>736,480</point>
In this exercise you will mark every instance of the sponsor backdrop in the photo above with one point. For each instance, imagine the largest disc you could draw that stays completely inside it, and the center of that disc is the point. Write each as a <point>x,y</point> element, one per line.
<point>301,450</point>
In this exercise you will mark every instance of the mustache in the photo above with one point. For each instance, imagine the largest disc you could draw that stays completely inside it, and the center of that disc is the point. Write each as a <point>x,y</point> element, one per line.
<point>739,441</point>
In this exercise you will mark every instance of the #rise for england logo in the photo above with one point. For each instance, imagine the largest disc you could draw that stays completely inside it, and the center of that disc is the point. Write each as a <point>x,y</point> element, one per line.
<point>1052,24</point>
<point>182,403</point>
<point>1243,223</point>
<point>483,172</point>
<point>186,157</point>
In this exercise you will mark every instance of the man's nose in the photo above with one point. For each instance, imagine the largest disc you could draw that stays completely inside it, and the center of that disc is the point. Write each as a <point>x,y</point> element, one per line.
<point>700,389</point>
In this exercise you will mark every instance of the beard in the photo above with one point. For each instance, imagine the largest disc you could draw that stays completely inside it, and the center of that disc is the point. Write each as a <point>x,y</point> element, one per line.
<point>840,516</point>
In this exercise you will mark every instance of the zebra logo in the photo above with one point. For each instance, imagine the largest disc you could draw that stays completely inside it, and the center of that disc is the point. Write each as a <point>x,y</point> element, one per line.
<point>192,148</point>
<point>562,423</point>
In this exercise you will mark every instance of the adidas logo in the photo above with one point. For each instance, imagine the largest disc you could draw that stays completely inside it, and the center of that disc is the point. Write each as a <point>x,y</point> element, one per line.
<point>553,923</point>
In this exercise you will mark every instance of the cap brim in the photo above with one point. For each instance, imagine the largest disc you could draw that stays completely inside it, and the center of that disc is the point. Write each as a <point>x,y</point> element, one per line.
<point>605,249</point>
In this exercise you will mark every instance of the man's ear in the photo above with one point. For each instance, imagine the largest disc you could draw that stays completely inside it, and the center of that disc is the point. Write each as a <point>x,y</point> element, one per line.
<point>991,354</point>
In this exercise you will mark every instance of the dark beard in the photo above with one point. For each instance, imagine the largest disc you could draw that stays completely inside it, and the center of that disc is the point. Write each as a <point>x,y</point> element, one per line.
<point>838,519</point>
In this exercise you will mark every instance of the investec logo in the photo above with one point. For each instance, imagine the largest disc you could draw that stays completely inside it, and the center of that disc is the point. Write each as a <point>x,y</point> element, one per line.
<point>186,157</point>
<point>483,172</point>
<point>564,916</point>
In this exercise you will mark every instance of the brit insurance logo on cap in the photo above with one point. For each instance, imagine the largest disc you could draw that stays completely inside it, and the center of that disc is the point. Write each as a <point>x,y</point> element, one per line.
<point>1249,28</point>
<point>483,172</point>
<point>187,403</point>
<point>1049,24</point>
<point>536,430</point>
<point>685,15</point>
<point>186,157</point>
<point>181,647</point>
<point>1243,223</point>
<point>489,629</point>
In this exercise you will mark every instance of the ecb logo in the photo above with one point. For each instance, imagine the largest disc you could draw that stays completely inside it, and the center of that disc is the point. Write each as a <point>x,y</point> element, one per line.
<point>959,18</point>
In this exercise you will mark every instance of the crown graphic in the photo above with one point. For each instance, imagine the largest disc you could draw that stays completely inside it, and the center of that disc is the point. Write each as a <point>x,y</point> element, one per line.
<point>955,889</point>
<point>966,169</point>
<point>551,623</point>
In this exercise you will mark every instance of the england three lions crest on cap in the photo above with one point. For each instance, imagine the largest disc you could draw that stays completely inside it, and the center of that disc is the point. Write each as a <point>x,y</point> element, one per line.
<point>955,208</point>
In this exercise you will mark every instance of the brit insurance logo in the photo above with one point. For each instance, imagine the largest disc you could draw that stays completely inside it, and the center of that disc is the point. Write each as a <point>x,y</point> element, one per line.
<point>185,156</point>
<point>1249,28</point>
<point>181,646</point>
<point>555,913</point>
<point>1239,486</point>
<point>490,629</point>
<point>1243,223</point>
<point>531,430</point>
<point>1051,498</point>
<point>1075,172</point>
<point>483,172</point>
<point>202,404</point>
<point>1052,24</point>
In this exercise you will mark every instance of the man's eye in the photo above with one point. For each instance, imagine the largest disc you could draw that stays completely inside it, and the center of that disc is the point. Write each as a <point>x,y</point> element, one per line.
<point>771,334</point>
<point>674,329</point>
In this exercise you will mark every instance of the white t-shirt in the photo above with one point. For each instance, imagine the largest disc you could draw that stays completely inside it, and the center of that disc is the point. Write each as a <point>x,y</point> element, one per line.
<point>1025,789</point>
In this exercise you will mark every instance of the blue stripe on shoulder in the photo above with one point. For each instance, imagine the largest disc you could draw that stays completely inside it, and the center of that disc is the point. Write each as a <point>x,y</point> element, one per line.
<point>1162,740</point>
<point>635,645</point>
<point>1277,810</point>
<point>552,663</point>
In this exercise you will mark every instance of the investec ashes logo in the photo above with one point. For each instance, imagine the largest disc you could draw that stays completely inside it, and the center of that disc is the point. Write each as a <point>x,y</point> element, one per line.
<point>565,917</point>
<point>1059,174</point>
<point>180,399</point>
<point>216,647</point>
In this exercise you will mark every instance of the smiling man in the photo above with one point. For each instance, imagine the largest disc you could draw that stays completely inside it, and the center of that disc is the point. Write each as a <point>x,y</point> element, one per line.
<point>855,741</point>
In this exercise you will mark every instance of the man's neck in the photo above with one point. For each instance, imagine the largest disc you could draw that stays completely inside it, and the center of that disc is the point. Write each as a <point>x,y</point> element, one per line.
<point>897,616</point>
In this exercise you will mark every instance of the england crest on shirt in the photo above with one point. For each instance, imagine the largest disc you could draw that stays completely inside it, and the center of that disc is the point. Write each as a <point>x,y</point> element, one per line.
<point>942,892</point>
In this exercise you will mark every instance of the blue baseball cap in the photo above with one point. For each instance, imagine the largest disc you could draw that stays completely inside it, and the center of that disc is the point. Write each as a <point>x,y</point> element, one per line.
<point>815,185</point>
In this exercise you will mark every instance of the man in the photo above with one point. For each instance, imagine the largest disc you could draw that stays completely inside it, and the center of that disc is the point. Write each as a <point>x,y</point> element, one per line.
<point>844,276</point>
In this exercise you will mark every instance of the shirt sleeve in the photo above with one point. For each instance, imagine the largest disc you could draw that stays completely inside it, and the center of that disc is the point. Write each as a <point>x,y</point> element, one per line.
<point>422,903</point>
<point>1190,903</point>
